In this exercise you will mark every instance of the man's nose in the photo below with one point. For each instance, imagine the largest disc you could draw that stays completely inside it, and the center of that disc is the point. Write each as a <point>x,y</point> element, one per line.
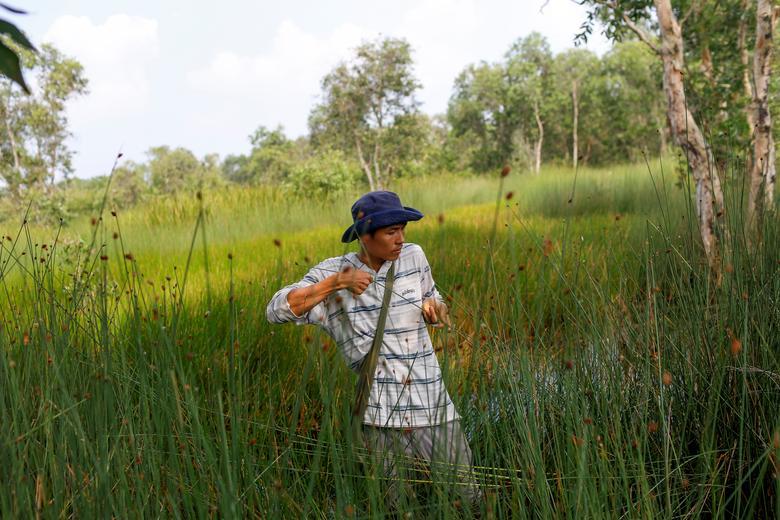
<point>400,238</point>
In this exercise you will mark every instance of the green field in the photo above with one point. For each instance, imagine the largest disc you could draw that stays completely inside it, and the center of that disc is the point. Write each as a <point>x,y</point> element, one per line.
<point>599,368</point>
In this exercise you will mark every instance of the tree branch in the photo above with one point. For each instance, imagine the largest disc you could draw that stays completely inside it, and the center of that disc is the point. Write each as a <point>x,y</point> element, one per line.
<point>693,7</point>
<point>641,33</point>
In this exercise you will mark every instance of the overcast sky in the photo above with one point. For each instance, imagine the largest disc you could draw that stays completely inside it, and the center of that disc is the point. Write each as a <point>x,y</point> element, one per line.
<point>204,75</point>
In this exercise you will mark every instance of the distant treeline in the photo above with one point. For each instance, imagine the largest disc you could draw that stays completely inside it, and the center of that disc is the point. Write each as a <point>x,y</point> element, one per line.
<point>530,108</point>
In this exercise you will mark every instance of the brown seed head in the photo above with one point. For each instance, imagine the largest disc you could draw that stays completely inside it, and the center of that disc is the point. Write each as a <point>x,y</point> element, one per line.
<point>652,427</point>
<point>277,242</point>
<point>736,346</point>
<point>440,218</point>
<point>686,484</point>
<point>569,364</point>
<point>667,378</point>
<point>547,247</point>
<point>505,170</point>
<point>509,195</point>
<point>349,510</point>
<point>104,257</point>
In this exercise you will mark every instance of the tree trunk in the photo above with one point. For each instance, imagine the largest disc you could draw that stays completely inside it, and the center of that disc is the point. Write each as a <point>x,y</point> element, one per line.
<point>574,151</point>
<point>685,131</point>
<point>539,140</point>
<point>364,165</point>
<point>377,170</point>
<point>744,57</point>
<point>14,181</point>
<point>762,175</point>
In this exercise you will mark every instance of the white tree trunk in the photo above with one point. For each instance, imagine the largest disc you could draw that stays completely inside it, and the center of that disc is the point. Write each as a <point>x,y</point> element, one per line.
<point>575,121</point>
<point>377,169</point>
<point>364,165</point>
<point>709,195</point>
<point>539,140</point>
<point>762,175</point>
<point>744,57</point>
<point>13,184</point>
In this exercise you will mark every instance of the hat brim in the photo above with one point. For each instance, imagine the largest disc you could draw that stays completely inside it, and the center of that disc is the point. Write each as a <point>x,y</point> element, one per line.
<point>379,220</point>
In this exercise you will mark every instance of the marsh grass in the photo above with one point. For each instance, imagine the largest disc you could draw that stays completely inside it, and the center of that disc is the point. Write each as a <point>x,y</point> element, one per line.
<point>599,369</point>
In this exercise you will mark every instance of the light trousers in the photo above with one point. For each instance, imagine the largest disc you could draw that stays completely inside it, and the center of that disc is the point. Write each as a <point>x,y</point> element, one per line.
<point>440,451</point>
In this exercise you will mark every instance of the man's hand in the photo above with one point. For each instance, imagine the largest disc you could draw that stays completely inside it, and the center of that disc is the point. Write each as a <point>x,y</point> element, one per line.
<point>436,313</point>
<point>355,280</point>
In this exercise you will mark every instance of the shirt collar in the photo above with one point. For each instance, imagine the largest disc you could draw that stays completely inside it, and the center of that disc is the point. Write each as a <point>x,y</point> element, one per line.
<point>382,269</point>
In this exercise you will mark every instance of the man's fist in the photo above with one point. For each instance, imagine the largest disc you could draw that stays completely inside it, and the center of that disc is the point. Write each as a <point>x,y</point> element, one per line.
<point>435,313</point>
<point>355,280</point>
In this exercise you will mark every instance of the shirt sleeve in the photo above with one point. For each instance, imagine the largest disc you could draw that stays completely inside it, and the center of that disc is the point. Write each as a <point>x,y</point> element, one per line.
<point>279,311</point>
<point>426,279</point>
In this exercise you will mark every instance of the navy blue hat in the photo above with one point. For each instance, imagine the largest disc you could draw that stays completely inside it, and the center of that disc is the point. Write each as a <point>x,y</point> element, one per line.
<point>377,209</point>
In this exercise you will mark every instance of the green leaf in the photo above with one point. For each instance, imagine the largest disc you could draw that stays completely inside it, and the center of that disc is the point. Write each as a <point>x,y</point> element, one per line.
<point>10,66</point>
<point>15,34</point>
<point>14,10</point>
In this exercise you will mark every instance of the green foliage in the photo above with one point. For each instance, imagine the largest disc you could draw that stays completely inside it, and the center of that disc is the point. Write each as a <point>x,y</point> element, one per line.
<point>11,40</point>
<point>493,109</point>
<point>718,38</point>
<point>631,102</point>
<point>129,185</point>
<point>269,162</point>
<point>323,175</point>
<point>369,110</point>
<point>179,171</point>
<point>36,126</point>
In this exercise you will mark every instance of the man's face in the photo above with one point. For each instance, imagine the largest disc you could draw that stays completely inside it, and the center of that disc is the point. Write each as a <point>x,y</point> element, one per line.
<point>386,242</point>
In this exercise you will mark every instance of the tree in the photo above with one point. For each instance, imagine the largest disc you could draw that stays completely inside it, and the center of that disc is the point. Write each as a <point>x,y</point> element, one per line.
<point>631,110</point>
<point>480,114</point>
<point>35,126</point>
<point>178,170</point>
<point>576,70</point>
<point>129,184</point>
<point>763,173</point>
<point>324,174</point>
<point>634,15</point>
<point>366,106</point>
<point>528,70</point>
<point>270,160</point>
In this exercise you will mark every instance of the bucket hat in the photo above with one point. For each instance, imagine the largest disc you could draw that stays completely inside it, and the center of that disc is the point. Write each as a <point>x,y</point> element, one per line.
<point>377,209</point>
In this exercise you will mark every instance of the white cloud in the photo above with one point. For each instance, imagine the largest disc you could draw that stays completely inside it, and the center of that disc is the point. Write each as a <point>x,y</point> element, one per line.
<point>279,85</point>
<point>117,56</point>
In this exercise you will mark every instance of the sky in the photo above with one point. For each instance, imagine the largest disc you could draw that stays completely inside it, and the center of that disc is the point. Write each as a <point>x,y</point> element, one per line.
<point>204,75</point>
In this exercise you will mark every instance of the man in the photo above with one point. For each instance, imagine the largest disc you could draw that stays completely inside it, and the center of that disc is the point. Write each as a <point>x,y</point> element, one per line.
<point>409,412</point>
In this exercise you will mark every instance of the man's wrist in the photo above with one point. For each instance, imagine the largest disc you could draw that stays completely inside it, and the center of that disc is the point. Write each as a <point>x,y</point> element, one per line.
<point>335,284</point>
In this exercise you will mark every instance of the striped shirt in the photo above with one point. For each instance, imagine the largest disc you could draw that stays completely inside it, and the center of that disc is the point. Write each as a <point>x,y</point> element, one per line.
<point>408,390</point>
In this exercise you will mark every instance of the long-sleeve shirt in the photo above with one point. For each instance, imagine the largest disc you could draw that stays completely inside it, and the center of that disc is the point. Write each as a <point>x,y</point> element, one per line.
<point>408,390</point>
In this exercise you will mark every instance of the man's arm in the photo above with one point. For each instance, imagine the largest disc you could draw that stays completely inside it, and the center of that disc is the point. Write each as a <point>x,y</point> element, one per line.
<point>294,302</point>
<point>434,309</point>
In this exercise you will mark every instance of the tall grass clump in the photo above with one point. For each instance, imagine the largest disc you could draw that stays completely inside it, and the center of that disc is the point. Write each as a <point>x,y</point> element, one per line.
<point>599,367</point>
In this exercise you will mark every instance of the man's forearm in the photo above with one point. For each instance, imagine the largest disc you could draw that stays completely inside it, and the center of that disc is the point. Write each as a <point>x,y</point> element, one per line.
<point>304,299</point>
